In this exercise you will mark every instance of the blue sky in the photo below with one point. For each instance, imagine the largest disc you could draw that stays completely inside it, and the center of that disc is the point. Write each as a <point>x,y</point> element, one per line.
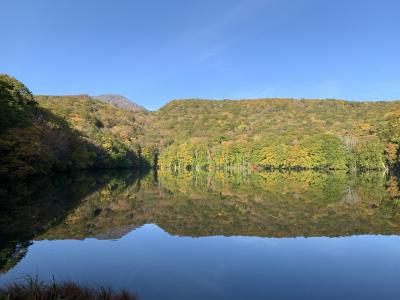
<point>154,51</point>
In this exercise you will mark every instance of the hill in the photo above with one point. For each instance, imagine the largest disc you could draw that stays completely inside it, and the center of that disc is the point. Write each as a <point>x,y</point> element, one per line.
<point>44,134</point>
<point>278,133</point>
<point>119,131</point>
<point>120,102</point>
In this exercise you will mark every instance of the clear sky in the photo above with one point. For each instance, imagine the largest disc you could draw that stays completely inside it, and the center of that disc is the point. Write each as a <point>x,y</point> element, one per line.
<point>154,51</point>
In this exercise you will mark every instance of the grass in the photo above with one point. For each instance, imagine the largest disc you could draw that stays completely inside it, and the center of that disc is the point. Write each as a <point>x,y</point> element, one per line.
<point>33,289</point>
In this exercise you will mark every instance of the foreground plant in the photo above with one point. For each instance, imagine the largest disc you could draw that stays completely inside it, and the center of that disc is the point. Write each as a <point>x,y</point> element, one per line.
<point>34,289</point>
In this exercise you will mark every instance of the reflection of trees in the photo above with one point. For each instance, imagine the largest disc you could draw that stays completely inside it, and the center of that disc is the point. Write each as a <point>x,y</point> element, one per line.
<point>280,204</point>
<point>272,204</point>
<point>29,209</point>
<point>11,253</point>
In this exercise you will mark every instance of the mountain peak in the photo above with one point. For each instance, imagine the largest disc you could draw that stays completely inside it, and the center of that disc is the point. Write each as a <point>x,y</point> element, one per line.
<point>120,102</point>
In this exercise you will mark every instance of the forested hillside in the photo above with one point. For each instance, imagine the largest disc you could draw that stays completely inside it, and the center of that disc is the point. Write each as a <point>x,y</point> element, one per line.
<point>120,132</point>
<point>279,133</point>
<point>43,134</point>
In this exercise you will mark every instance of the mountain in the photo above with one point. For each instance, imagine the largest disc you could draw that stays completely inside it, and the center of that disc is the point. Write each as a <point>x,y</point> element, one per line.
<point>45,134</point>
<point>41,134</point>
<point>120,102</point>
<point>115,130</point>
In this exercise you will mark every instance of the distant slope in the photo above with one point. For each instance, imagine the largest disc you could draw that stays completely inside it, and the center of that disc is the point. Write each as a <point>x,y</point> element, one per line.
<point>273,119</point>
<point>120,102</point>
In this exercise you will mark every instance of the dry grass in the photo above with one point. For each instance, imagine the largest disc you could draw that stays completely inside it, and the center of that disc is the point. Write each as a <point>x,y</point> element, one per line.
<point>33,289</point>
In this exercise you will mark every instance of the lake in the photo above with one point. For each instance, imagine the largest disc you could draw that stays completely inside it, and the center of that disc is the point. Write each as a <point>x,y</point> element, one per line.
<point>216,235</point>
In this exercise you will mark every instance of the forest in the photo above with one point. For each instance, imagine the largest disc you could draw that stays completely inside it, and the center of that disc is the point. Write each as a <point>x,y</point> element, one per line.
<point>279,134</point>
<point>46,134</point>
<point>42,135</point>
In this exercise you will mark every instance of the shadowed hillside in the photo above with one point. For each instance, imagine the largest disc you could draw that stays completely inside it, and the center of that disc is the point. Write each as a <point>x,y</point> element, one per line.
<point>44,134</point>
<point>118,131</point>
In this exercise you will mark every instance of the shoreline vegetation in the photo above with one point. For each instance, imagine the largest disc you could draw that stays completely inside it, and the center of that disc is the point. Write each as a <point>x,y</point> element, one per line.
<point>33,289</point>
<point>40,135</point>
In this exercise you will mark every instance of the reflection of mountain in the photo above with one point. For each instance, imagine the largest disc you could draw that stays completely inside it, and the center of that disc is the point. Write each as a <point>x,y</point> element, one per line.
<point>267,205</point>
<point>107,205</point>
<point>29,209</point>
<point>108,213</point>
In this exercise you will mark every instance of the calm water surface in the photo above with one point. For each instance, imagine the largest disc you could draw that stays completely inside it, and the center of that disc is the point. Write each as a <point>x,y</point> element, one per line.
<point>303,235</point>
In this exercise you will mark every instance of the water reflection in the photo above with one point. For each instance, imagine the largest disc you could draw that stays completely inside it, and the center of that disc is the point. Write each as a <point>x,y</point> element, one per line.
<point>263,204</point>
<point>107,205</point>
<point>134,231</point>
<point>30,209</point>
